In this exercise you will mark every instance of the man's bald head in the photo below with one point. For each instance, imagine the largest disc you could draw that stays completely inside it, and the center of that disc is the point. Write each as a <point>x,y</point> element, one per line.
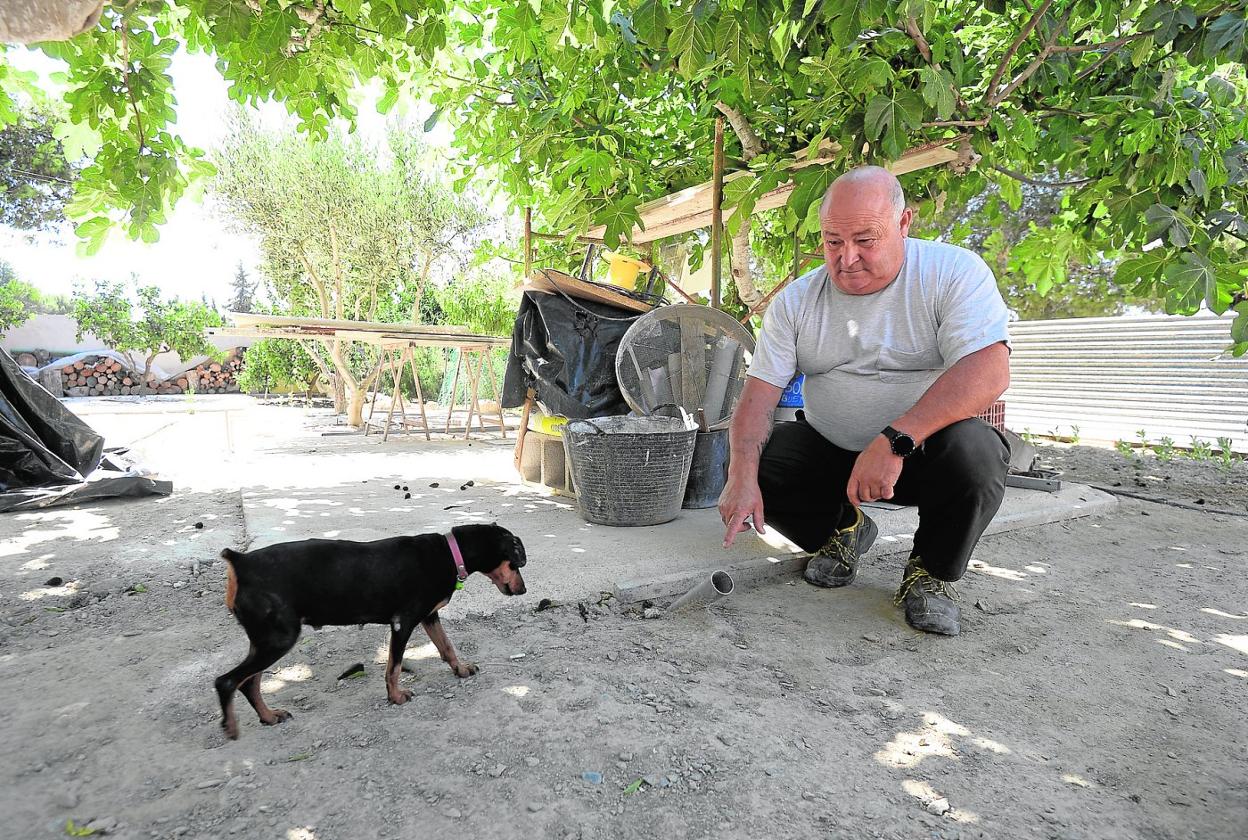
<point>864,223</point>
<point>865,184</point>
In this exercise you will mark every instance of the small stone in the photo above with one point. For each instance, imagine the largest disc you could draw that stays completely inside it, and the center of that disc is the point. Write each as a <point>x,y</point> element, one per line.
<point>534,807</point>
<point>592,776</point>
<point>452,813</point>
<point>809,796</point>
<point>434,485</point>
<point>742,645</point>
<point>404,486</point>
<point>532,760</point>
<point>870,637</point>
<point>199,526</point>
<point>65,798</point>
<point>612,656</point>
<point>497,770</point>
<point>939,807</point>
<point>104,825</point>
<point>726,740</point>
<point>771,771</point>
<point>407,495</point>
<point>626,756</point>
<point>516,656</point>
<point>178,584</point>
<point>210,783</point>
<point>652,612</point>
<point>55,581</point>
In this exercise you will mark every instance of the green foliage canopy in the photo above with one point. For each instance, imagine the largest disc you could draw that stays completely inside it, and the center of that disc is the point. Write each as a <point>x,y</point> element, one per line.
<point>586,108</point>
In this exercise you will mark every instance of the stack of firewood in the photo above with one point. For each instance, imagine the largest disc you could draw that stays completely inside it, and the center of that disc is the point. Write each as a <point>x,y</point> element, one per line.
<point>95,376</point>
<point>214,377</point>
<point>102,376</point>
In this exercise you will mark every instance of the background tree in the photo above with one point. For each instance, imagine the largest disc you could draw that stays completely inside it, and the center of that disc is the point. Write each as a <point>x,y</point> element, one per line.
<point>18,300</point>
<point>244,291</point>
<point>36,179</point>
<point>274,363</point>
<point>341,235</point>
<point>158,326</point>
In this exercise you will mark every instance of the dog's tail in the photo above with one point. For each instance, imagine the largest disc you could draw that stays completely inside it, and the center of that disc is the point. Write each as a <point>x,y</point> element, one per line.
<point>231,580</point>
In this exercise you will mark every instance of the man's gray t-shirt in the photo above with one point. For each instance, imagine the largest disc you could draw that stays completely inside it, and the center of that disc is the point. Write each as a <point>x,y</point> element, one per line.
<point>868,359</point>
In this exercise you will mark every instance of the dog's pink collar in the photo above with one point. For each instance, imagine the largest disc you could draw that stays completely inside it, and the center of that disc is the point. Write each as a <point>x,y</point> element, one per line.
<point>461,572</point>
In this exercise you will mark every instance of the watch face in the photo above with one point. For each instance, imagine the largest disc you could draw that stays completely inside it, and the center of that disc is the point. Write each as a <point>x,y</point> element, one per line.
<point>903,445</point>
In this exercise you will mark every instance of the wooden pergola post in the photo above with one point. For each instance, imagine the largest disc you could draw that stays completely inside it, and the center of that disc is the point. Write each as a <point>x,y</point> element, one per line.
<point>528,241</point>
<point>717,212</point>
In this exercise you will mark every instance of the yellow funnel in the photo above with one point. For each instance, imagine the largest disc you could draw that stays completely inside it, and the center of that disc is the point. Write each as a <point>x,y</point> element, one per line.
<point>623,270</point>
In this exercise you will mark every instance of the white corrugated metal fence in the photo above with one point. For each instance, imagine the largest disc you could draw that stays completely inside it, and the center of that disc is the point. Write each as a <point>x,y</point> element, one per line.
<point>1170,376</point>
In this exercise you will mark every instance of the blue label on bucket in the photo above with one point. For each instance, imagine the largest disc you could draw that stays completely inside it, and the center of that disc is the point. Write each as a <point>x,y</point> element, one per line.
<point>792,396</point>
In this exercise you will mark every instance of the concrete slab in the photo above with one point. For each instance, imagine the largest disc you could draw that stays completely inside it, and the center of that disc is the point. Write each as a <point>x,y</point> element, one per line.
<point>570,559</point>
<point>1020,509</point>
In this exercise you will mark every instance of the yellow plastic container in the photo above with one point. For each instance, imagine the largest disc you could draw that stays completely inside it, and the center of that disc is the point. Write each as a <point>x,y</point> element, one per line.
<point>547,424</point>
<point>623,270</point>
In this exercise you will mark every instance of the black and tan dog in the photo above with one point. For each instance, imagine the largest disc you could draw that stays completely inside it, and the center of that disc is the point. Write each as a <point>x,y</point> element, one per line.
<point>400,581</point>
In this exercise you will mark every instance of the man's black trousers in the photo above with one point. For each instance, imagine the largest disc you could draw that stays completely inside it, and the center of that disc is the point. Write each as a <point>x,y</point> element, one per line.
<point>957,479</point>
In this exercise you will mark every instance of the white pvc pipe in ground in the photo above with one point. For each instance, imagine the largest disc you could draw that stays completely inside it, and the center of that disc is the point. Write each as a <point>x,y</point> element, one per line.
<point>710,589</point>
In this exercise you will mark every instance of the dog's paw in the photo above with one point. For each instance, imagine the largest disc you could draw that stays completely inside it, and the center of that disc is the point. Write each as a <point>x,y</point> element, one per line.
<point>465,669</point>
<point>231,730</point>
<point>400,696</point>
<point>276,716</point>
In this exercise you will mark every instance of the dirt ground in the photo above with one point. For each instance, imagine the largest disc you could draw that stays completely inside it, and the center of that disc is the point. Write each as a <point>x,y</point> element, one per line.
<point>1097,691</point>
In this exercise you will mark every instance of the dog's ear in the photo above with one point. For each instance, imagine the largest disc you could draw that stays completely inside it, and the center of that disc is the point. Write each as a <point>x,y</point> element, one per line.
<point>518,558</point>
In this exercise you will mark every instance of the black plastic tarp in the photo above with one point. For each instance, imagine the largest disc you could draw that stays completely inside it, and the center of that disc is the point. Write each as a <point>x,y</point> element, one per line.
<point>41,441</point>
<point>565,350</point>
<point>48,456</point>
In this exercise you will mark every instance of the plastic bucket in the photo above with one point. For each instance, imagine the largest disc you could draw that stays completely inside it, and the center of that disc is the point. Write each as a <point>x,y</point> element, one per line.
<point>709,471</point>
<point>629,471</point>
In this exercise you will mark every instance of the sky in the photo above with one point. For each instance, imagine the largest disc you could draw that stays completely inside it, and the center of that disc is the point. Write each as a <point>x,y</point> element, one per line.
<point>196,255</point>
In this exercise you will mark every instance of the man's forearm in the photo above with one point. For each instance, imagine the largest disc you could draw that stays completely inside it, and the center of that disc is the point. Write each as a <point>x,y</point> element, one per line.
<point>751,426</point>
<point>965,390</point>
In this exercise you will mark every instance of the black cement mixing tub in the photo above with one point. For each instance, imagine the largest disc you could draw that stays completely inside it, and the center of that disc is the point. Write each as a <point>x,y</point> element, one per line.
<point>629,470</point>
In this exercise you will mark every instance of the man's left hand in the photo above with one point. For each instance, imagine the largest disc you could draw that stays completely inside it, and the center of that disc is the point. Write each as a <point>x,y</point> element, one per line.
<point>875,473</point>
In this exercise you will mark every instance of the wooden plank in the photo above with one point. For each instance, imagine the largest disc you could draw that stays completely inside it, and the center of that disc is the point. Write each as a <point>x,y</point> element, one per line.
<point>717,211</point>
<point>551,281</point>
<point>690,209</point>
<point>249,319</point>
<point>380,339</point>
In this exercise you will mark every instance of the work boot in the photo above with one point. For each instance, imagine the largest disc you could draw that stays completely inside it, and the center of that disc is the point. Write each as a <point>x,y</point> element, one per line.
<point>928,601</point>
<point>836,564</point>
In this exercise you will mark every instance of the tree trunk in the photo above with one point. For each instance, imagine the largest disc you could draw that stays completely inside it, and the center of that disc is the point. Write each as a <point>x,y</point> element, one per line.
<point>420,288</point>
<point>751,147</point>
<point>741,276</point>
<point>355,407</point>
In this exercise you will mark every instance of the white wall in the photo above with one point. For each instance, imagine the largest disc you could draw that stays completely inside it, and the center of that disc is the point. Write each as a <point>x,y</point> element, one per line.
<point>55,333</point>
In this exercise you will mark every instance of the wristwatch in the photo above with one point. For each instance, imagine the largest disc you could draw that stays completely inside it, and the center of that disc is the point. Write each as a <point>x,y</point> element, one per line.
<point>903,445</point>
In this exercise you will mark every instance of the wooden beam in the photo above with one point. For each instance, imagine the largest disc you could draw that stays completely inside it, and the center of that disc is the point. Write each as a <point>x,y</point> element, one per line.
<point>528,240</point>
<point>691,208</point>
<point>717,212</point>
